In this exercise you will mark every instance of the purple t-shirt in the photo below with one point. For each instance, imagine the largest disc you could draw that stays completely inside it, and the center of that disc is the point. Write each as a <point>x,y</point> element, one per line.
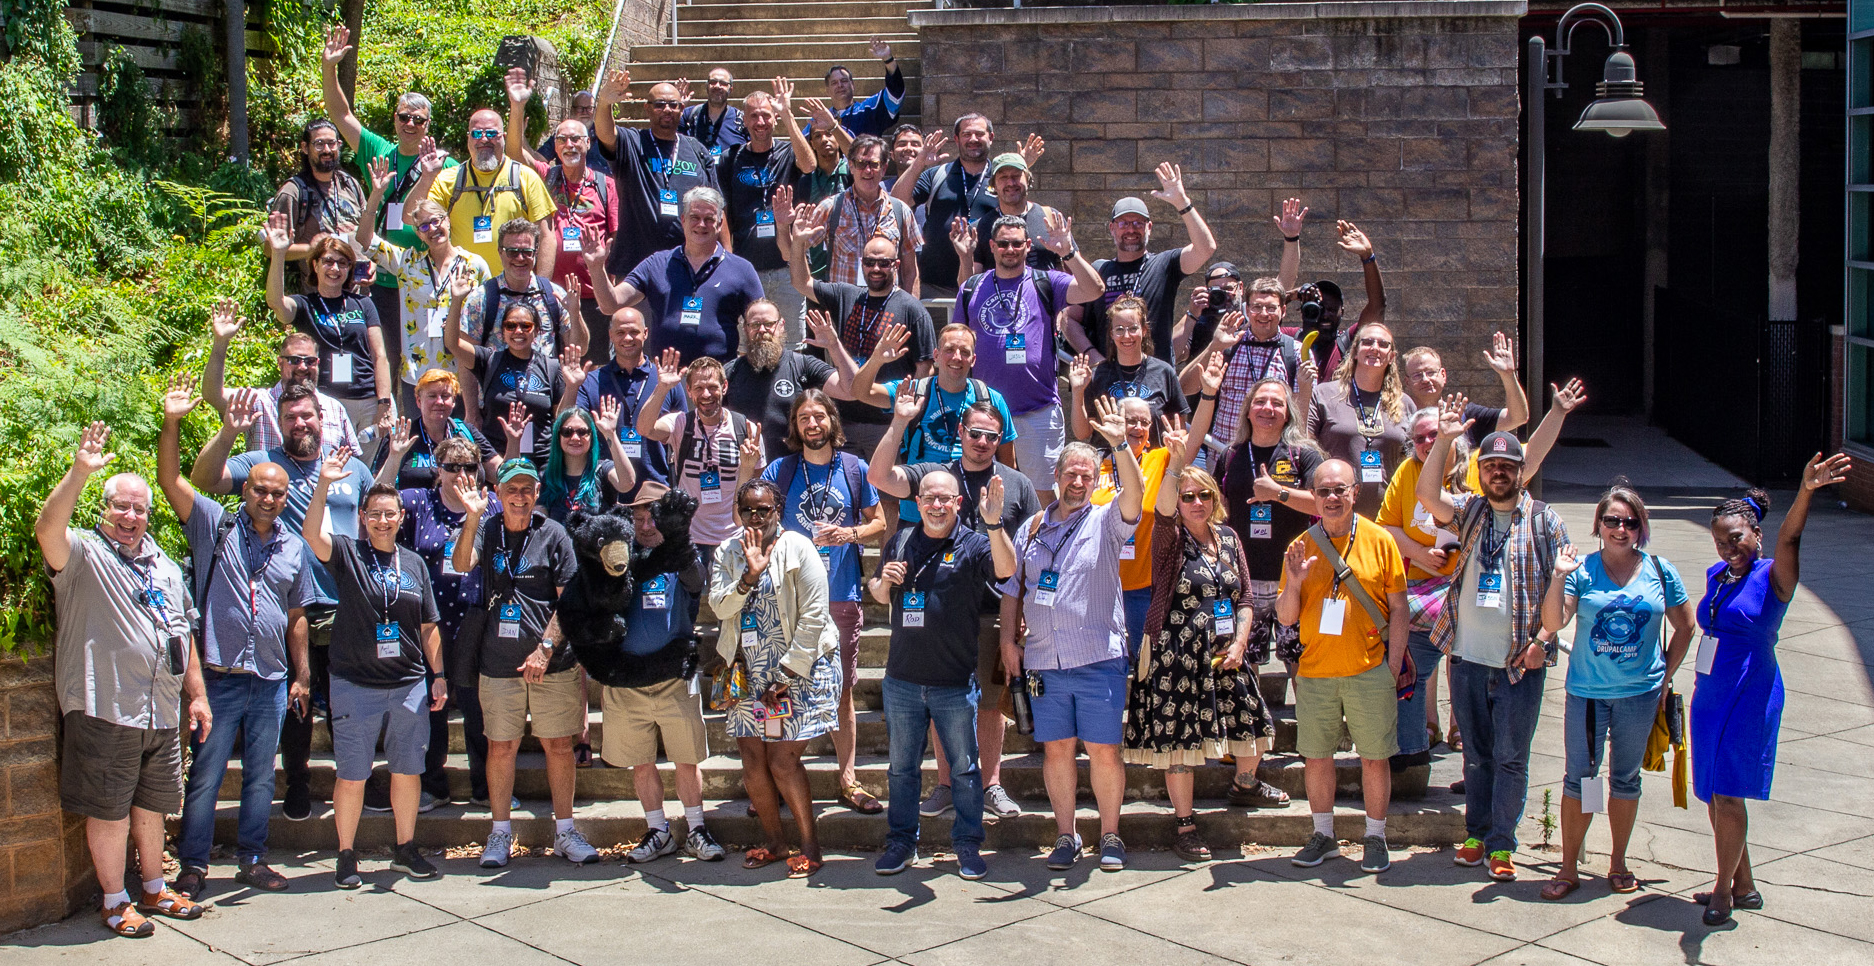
<point>1002,311</point>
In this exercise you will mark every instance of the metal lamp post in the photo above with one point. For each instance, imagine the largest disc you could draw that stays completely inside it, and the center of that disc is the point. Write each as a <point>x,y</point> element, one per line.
<point>1617,109</point>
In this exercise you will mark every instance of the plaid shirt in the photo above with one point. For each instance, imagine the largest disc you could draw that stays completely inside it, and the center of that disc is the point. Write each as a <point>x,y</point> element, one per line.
<point>1529,563</point>
<point>857,225</point>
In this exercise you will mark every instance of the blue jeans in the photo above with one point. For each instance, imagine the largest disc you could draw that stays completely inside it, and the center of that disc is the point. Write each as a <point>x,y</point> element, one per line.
<point>247,706</point>
<point>1137,602</point>
<point>1498,720</point>
<point>1623,725</point>
<point>1413,738</point>
<point>909,711</point>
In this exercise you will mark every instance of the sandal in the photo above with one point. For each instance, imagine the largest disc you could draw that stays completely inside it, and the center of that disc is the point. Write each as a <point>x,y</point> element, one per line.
<point>757,857</point>
<point>800,867</point>
<point>1558,888</point>
<point>860,800</point>
<point>171,903</point>
<point>1623,882</point>
<point>129,922</point>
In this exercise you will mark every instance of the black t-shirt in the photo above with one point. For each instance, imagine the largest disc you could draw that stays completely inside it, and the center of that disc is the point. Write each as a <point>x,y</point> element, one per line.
<point>942,653</point>
<point>642,168</point>
<point>955,193</point>
<point>367,579</point>
<point>749,178</point>
<point>1484,422</point>
<point>1152,380</point>
<point>339,326</point>
<point>768,396</point>
<point>521,578</point>
<point>1154,278</point>
<point>559,505</point>
<point>1019,501</point>
<point>535,381</point>
<point>860,317</point>
<point>1039,256</point>
<point>418,471</point>
<point>1293,469</point>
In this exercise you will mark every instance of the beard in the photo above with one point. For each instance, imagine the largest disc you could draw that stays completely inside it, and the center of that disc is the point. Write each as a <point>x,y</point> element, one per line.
<point>302,446</point>
<point>816,442</point>
<point>764,354</point>
<point>324,165</point>
<point>487,162</point>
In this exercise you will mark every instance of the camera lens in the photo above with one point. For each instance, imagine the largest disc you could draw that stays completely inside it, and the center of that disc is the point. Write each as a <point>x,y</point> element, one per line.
<point>1310,312</point>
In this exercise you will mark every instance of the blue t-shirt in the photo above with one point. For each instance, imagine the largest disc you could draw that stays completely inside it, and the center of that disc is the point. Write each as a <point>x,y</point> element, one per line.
<point>937,439</point>
<point>660,613</point>
<point>1619,631</point>
<point>823,494</point>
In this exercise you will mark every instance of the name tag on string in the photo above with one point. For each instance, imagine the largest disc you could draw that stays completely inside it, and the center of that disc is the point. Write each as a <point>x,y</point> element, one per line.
<point>484,229</point>
<point>1594,795</point>
<point>1333,616</point>
<point>632,442</point>
<point>340,368</point>
<point>656,594</point>
<point>1490,591</point>
<point>764,223</point>
<point>913,605</point>
<point>438,316</point>
<point>389,641</point>
<point>1261,521</point>
<point>510,626</point>
<point>1223,618</point>
<point>709,483</point>
<point>749,633</point>
<point>1046,588</point>
<point>448,558</point>
<point>667,203</point>
<point>569,239</point>
<point>1707,653</point>
<point>393,216</point>
<point>692,312</point>
<point>1015,350</point>
<point>1372,468</point>
<point>1129,551</point>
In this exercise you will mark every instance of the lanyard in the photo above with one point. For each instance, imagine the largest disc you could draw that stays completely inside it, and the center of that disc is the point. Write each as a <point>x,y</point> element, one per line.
<point>514,560</point>
<point>812,505</point>
<point>436,284</point>
<point>148,594</point>
<point>484,194</point>
<point>1718,600</point>
<point>1274,350</point>
<point>936,554</point>
<point>389,577</point>
<point>1055,551</point>
<point>661,166</point>
<point>1492,559</point>
<point>1370,424</point>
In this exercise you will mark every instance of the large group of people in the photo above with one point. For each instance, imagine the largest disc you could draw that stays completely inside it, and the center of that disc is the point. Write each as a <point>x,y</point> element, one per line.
<point>1097,507</point>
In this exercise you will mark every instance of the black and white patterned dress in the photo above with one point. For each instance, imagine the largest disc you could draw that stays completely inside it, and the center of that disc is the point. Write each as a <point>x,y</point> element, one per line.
<point>1179,711</point>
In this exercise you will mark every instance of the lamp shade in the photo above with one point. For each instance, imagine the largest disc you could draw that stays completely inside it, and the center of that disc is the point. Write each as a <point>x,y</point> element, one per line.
<point>1618,108</point>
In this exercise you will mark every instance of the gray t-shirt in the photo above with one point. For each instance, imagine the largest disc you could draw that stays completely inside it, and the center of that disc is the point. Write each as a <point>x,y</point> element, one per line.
<point>116,615</point>
<point>1484,632</point>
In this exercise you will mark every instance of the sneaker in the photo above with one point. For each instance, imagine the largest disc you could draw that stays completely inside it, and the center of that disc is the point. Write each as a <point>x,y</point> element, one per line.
<point>514,804</point>
<point>1375,858</point>
<point>1260,795</point>
<point>896,858</point>
<point>939,802</point>
<point>1457,787</point>
<point>297,805</point>
<point>427,802</point>
<point>377,795</point>
<point>1319,849</point>
<point>345,873</point>
<point>409,860</point>
<point>656,843</point>
<point>1501,868</point>
<point>1066,853</point>
<point>1112,852</point>
<point>1470,854</point>
<point>259,875</point>
<point>996,802</point>
<point>702,845</point>
<point>498,849</point>
<point>970,864</point>
<point>573,845</point>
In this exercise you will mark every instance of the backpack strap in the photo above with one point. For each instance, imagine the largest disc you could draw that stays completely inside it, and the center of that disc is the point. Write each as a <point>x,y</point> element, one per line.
<point>918,387</point>
<point>784,475</point>
<point>1345,575</point>
<point>222,529</point>
<point>491,308</point>
<point>555,313</point>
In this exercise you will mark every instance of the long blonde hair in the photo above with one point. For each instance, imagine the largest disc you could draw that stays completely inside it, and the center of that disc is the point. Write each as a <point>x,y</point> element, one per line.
<point>1392,391</point>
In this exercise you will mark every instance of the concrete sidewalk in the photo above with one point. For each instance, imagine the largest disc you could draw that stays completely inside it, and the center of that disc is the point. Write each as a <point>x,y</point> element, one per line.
<point>1813,846</point>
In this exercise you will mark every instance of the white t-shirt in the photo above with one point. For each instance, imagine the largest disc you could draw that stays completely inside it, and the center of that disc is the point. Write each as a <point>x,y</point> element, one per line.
<point>715,510</point>
<point>1484,633</point>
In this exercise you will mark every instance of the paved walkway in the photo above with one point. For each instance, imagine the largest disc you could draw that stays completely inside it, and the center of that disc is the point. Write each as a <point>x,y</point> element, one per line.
<point>1813,845</point>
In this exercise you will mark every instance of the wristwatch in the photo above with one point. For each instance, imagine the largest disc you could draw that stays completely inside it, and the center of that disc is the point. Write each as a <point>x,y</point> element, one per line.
<point>1282,494</point>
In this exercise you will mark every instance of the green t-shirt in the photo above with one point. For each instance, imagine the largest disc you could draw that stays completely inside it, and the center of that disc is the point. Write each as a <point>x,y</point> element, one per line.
<point>371,146</point>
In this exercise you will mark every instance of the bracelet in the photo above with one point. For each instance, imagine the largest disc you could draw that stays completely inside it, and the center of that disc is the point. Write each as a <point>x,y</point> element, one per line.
<point>1187,208</point>
<point>1291,238</point>
<point>891,60</point>
<point>992,526</point>
<point>1369,259</point>
<point>1207,397</point>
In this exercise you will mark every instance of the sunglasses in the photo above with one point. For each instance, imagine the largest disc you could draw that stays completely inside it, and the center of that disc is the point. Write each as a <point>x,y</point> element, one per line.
<point>456,467</point>
<point>1629,524</point>
<point>666,105</point>
<point>1369,342</point>
<point>865,165</point>
<point>300,360</point>
<point>985,435</point>
<point>878,262</point>
<point>575,432</point>
<point>1326,492</point>
<point>484,135</point>
<point>414,120</point>
<point>519,252</point>
<point>1011,243</point>
<point>517,326</point>
<point>765,509</point>
<point>1201,496</point>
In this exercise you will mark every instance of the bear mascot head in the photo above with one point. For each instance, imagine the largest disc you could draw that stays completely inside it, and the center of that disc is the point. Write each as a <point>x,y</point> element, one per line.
<point>615,557</point>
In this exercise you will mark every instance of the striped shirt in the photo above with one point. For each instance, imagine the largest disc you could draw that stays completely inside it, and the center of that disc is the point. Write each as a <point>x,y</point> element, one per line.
<point>1528,564</point>
<point>1082,623</point>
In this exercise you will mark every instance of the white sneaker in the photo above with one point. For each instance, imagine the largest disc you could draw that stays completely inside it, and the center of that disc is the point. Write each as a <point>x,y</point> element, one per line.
<point>574,847</point>
<point>656,843</point>
<point>703,845</point>
<point>498,849</point>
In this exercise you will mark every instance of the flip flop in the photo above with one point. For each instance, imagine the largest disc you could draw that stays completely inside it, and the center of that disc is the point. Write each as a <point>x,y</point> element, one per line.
<point>757,857</point>
<point>1623,882</point>
<point>800,867</point>
<point>1558,888</point>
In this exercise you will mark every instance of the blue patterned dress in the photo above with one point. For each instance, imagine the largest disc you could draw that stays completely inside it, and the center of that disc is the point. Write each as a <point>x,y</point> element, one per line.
<point>816,700</point>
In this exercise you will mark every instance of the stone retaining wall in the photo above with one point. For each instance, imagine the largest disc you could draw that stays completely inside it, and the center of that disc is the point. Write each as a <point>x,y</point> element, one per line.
<point>45,870</point>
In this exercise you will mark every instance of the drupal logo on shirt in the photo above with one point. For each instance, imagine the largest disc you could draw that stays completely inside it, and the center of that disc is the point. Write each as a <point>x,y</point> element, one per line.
<point>820,503</point>
<point>784,388</point>
<point>1619,627</point>
<point>753,177</point>
<point>1002,312</point>
<point>522,381</point>
<point>503,558</point>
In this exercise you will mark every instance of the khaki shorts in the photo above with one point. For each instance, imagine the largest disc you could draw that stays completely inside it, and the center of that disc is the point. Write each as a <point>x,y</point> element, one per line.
<point>635,717</point>
<point>106,768</point>
<point>1369,702</point>
<point>557,705</point>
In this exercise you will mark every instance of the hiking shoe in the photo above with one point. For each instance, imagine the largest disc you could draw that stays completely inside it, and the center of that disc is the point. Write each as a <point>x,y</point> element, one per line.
<point>702,845</point>
<point>997,803</point>
<point>1066,853</point>
<point>939,802</point>
<point>259,875</point>
<point>970,864</point>
<point>169,902</point>
<point>1470,854</point>
<point>1375,858</point>
<point>1319,848</point>
<point>409,860</point>
<point>573,845</point>
<point>656,843</point>
<point>1502,868</point>
<point>498,849</point>
<point>1260,795</point>
<point>297,805</point>
<point>1112,852</point>
<point>427,802</point>
<point>345,873</point>
<point>896,858</point>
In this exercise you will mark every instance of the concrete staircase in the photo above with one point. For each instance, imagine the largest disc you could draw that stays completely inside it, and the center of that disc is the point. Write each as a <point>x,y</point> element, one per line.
<point>609,813</point>
<point>758,40</point>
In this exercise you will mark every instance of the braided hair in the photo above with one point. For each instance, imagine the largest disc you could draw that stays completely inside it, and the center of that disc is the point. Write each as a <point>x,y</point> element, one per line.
<point>1754,505</point>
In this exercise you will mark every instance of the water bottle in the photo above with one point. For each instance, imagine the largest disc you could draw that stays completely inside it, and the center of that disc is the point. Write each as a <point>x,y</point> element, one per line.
<point>1024,712</point>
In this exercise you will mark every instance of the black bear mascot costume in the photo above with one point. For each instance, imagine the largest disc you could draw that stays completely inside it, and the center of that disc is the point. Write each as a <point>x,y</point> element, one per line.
<point>593,609</point>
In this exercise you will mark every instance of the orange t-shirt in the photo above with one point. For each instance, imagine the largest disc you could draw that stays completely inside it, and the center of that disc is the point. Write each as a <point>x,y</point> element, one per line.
<point>1135,571</point>
<point>1360,646</point>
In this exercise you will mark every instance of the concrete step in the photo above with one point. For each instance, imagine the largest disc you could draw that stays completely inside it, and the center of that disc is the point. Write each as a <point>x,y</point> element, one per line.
<point>893,30</point>
<point>825,50</point>
<point>785,10</point>
<point>1438,820</point>
<point>808,73</point>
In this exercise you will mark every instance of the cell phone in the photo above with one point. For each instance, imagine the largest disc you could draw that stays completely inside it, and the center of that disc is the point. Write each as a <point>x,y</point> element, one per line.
<point>360,270</point>
<point>178,661</point>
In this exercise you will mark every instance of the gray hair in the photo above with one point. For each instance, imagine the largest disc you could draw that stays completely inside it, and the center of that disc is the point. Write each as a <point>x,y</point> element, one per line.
<point>705,195</point>
<point>1009,221</point>
<point>415,102</point>
<point>1076,450</point>
<point>115,484</point>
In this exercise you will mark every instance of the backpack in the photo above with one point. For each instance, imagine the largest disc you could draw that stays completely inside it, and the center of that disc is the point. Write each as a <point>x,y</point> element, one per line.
<point>222,529</point>
<point>556,175</point>
<point>979,390</point>
<point>462,179</point>
<point>491,308</point>
<point>789,465</point>
<point>738,428</point>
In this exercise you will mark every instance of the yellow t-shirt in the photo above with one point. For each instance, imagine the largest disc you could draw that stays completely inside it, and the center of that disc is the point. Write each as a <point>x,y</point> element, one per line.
<point>1401,508</point>
<point>531,202</point>
<point>1135,572</point>
<point>1360,646</point>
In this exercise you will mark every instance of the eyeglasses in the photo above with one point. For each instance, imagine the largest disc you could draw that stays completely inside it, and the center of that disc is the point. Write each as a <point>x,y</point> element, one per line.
<point>984,435</point>
<point>129,509</point>
<point>1128,330</point>
<point>325,145</point>
<point>1011,243</point>
<point>575,432</point>
<point>1199,496</point>
<point>334,262</point>
<point>1629,524</point>
<point>456,467</point>
<point>300,360</point>
<point>762,510</point>
<point>519,252</point>
<point>938,499</point>
<point>878,262</point>
<point>434,224</point>
<point>666,105</point>
<point>1370,343</point>
<point>1332,492</point>
<point>484,135</point>
<point>414,120</point>
<point>569,138</point>
<point>380,516</point>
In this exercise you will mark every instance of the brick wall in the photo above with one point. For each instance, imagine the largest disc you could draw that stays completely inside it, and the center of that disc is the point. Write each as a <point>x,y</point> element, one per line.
<point>1401,117</point>
<point>45,870</point>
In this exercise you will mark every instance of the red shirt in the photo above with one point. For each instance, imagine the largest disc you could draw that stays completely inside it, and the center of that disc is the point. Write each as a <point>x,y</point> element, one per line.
<point>582,207</point>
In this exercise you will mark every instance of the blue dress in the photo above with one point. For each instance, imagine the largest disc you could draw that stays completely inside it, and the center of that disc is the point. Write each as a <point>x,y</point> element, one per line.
<point>1738,707</point>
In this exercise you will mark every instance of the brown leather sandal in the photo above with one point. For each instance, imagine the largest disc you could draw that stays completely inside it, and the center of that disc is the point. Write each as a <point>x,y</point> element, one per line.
<point>757,857</point>
<point>129,922</point>
<point>171,903</point>
<point>860,800</point>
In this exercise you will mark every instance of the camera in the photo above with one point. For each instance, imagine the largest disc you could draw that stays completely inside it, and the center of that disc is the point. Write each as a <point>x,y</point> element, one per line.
<point>1310,314</point>
<point>1220,301</point>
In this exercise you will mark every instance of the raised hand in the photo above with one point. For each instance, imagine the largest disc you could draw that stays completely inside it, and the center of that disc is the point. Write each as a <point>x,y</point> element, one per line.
<point>1109,421</point>
<point>474,498</point>
<point>682,84</point>
<point>242,405</point>
<point>1229,331</point>
<point>1451,421</point>
<point>751,454</point>
<point>181,397</point>
<point>807,225</point>
<point>1823,472</point>
<point>91,456</point>
<point>430,158</point>
<point>460,285</point>
<point>597,246</point>
<point>754,553</point>
<point>1296,563</point>
<point>1501,355</point>
<point>335,467</point>
<point>880,49</point>
<point>1211,379</point>
<point>906,404</point>
<point>1353,240</point>
<point>617,85</point>
<point>1566,560</point>
<point>279,232</point>
<point>963,237</point>
<point>669,369</point>
<point>381,175</point>
<point>1032,148</point>
<point>574,368</point>
<point>821,115</point>
<point>782,203</point>
<point>989,503</point>
<point>1060,233</point>
<point>934,153</point>
<point>1171,186</point>
<point>520,86</point>
<point>784,94</point>
<point>1172,429</point>
<point>514,424</point>
<point>401,439</point>
<point>891,342</point>
<point>607,417</point>
<point>821,331</point>
<point>337,46</point>
<point>1080,372</point>
<point>1291,218</point>
<point>1200,300</point>
<point>225,318</point>
<point>1569,396</point>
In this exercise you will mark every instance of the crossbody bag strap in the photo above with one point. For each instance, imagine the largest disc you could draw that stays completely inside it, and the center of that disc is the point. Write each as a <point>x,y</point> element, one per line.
<point>1345,575</point>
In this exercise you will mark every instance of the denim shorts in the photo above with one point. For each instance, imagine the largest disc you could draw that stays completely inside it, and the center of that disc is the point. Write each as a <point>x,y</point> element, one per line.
<point>1086,702</point>
<point>359,715</point>
<point>1631,722</point>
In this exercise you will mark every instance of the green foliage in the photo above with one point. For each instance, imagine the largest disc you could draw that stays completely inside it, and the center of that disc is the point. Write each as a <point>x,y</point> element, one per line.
<point>128,116</point>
